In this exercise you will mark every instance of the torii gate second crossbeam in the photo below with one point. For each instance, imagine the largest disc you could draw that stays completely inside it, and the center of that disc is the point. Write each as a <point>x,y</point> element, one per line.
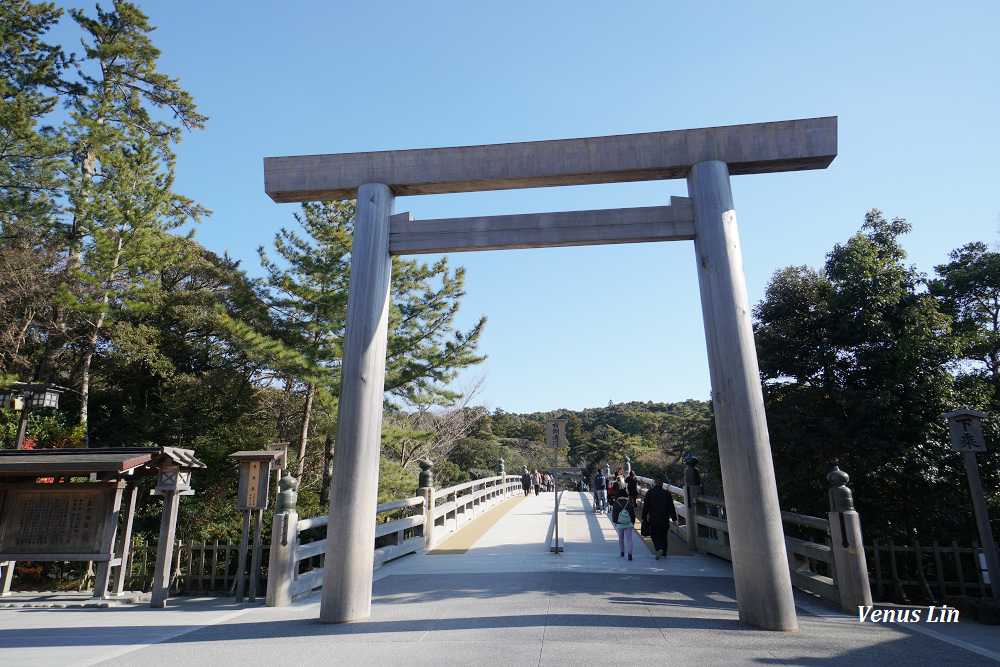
<point>706,158</point>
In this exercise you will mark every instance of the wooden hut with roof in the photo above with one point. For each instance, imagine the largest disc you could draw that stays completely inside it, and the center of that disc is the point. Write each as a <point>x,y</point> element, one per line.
<point>67,504</point>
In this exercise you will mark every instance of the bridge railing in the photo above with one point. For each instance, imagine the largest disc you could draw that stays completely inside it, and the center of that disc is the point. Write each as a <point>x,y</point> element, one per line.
<point>831,564</point>
<point>416,524</point>
<point>456,506</point>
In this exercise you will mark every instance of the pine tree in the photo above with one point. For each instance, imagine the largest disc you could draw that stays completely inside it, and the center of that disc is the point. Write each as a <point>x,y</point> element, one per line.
<point>119,199</point>
<point>310,305</point>
<point>31,154</point>
<point>424,351</point>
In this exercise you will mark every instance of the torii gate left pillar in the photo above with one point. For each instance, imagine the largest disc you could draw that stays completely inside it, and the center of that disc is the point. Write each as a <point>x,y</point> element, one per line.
<point>350,531</point>
<point>706,158</point>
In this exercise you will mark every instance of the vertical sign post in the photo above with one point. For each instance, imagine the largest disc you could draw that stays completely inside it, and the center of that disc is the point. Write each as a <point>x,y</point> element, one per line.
<point>555,436</point>
<point>280,463</point>
<point>967,437</point>
<point>251,497</point>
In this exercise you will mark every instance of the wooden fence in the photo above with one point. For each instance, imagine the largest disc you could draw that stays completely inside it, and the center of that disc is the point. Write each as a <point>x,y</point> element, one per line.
<point>926,573</point>
<point>198,567</point>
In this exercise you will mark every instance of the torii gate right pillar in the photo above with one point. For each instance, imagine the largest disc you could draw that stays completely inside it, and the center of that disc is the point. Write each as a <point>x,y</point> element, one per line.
<point>760,564</point>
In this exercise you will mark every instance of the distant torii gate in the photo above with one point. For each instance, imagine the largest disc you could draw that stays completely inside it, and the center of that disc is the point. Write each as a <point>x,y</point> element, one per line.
<point>706,158</point>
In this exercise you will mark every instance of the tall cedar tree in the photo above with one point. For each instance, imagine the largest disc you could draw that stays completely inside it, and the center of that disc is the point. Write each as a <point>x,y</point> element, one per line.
<point>32,158</point>
<point>31,154</point>
<point>424,351</point>
<point>119,197</point>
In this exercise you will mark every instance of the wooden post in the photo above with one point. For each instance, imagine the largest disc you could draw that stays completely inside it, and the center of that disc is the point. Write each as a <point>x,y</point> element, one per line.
<point>967,438</point>
<point>692,489</point>
<point>760,567</point>
<point>165,550</point>
<point>22,424</point>
<point>983,523</point>
<point>125,546</point>
<point>428,495</point>
<point>848,547</point>
<point>8,570</point>
<point>350,541</point>
<point>426,491</point>
<point>241,567</point>
<point>255,558</point>
<point>283,565</point>
<point>108,544</point>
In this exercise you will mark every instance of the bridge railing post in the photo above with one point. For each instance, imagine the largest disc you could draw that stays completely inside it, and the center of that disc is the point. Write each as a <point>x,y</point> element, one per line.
<point>692,489</point>
<point>284,538</point>
<point>426,491</point>
<point>848,545</point>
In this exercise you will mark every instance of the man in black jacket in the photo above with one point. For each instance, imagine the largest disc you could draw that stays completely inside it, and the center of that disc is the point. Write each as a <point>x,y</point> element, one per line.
<point>658,511</point>
<point>601,491</point>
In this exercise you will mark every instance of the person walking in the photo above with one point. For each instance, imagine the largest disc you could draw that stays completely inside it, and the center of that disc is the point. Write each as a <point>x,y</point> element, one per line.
<point>526,482</point>
<point>601,491</point>
<point>658,513</point>
<point>536,481</point>
<point>632,484</point>
<point>623,517</point>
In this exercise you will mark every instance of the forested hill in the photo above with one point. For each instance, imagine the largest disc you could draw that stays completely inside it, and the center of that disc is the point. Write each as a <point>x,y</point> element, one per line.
<point>655,436</point>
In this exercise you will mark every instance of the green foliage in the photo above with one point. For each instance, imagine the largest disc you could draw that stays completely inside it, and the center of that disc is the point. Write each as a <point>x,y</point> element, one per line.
<point>310,295</point>
<point>653,435</point>
<point>448,474</point>
<point>395,482</point>
<point>969,291</point>
<point>469,453</point>
<point>31,74</point>
<point>402,440</point>
<point>854,361</point>
<point>47,429</point>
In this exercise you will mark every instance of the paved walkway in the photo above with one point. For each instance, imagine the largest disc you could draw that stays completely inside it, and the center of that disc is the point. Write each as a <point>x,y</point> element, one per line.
<point>506,600</point>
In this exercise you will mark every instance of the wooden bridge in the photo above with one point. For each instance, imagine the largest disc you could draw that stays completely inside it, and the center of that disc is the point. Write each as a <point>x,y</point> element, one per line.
<point>493,526</point>
<point>490,591</point>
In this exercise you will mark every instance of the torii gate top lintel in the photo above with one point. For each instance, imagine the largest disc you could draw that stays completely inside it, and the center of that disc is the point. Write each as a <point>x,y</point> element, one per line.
<point>790,145</point>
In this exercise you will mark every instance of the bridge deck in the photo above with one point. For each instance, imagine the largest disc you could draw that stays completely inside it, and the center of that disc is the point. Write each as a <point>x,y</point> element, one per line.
<point>519,542</point>
<point>506,600</point>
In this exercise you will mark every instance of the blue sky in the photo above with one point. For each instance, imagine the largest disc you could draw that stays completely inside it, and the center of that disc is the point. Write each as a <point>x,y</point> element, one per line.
<point>914,85</point>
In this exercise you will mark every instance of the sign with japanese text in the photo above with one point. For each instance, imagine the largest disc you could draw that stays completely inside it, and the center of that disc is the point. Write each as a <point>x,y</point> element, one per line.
<point>56,521</point>
<point>252,491</point>
<point>966,432</point>
<point>555,433</point>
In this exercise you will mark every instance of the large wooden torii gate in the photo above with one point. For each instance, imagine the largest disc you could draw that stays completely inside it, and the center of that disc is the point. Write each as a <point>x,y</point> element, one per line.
<point>706,158</point>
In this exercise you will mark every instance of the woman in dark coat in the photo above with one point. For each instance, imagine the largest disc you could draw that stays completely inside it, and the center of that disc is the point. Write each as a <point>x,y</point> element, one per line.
<point>632,484</point>
<point>658,512</point>
<point>623,524</point>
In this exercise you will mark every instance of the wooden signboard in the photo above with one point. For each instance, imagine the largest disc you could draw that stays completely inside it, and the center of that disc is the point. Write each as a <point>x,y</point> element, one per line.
<point>555,433</point>
<point>252,494</point>
<point>56,523</point>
